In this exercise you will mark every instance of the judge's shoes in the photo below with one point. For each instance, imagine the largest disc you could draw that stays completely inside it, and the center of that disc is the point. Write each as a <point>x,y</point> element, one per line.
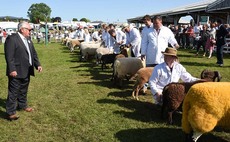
<point>13,117</point>
<point>28,109</point>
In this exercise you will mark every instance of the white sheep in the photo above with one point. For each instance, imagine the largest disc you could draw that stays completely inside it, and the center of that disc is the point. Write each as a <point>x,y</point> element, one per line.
<point>89,49</point>
<point>102,51</point>
<point>142,76</point>
<point>73,43</point>
<point>205,106</point>
<point>126,68</point>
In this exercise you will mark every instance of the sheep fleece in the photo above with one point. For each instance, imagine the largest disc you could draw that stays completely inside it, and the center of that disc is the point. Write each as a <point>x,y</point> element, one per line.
<point>124,66</point>
<point>205,106</point>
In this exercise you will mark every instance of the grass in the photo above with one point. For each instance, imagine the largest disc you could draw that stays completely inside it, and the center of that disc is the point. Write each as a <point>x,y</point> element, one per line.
<point>76,102</point>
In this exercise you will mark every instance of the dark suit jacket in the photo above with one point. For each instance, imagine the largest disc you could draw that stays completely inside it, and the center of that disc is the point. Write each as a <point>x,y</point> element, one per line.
<point>17,58</point>
<point>220,35</point>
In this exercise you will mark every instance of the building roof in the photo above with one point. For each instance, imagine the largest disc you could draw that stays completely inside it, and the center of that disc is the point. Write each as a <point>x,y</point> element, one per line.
<point>182,10</point>
<point>219,5</point>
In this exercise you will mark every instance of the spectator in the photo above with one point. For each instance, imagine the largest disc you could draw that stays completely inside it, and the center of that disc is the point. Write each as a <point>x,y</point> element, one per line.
<point>39,36</point>
<point>202,39</point>
<point>1,36</point>
<point>190,37</point>
<point>220,41</point>
<point>211,40</point>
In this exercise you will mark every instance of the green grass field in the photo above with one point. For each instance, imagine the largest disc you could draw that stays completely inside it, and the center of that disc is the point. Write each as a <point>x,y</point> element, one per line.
<point>76,102</point>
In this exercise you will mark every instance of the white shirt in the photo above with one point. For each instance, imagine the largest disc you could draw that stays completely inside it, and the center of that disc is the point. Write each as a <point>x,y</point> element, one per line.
<point>25,41</point>
<point>154,44</point>
<point>162,75</point>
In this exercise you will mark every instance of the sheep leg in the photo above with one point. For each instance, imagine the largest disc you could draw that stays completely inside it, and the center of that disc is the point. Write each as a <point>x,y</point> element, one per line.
<point>137,93</point>
<point>133,94</point>
<point>170,121</point>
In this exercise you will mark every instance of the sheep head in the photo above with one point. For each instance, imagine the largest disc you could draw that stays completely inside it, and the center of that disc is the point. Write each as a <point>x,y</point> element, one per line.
<point>210,75</point>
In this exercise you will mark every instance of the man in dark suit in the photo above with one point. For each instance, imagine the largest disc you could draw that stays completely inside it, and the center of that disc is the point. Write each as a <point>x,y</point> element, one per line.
<point>21,58</point>
<point>221,32</point>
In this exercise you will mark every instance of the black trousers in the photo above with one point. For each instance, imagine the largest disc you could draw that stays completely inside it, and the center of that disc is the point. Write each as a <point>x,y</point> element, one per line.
<point>17,94</point>
<point>219,54</point>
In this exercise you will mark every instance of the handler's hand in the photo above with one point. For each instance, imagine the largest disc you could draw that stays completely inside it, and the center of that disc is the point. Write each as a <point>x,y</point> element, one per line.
<point>13,74</point>
<point>39,68</point>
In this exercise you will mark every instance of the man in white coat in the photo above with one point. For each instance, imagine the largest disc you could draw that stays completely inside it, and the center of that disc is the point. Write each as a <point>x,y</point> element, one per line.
<point>117,38</point>
<point>133,39</point>
<point>157,41</point>
<point>146,30</point>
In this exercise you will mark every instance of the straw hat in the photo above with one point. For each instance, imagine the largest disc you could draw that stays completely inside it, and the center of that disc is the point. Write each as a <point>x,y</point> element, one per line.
<point>170,51</point>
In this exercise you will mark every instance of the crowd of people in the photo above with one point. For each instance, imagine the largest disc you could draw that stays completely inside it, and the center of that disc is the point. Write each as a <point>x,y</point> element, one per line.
<point>195,36</point>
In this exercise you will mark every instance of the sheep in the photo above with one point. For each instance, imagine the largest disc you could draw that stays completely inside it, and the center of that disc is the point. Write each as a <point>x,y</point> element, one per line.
<point>110,58</point>
<point>206,106</point>
<point>89,48</point>
<point>107,59</point>
<point>142,76</point>
<point>124,67</point>
<point>174,93</point>
<point>73,43</point>
<point>102,51</point>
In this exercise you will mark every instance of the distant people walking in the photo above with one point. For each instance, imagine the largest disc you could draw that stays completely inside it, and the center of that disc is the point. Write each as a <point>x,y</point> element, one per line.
<point>220,41</point>
<point>1,36</point>
<point>211,41</point>
<point>202,39</point>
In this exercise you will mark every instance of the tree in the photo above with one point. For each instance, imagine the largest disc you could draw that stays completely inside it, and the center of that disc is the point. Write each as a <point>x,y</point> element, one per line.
<point>56,19</point>
<point>85,20</point>
<point>39,12</point>
<point>74,19</point>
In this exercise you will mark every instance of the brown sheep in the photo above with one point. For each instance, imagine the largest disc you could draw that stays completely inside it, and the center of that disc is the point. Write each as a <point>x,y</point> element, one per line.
<point>142,76</point>
<point>174,93</point>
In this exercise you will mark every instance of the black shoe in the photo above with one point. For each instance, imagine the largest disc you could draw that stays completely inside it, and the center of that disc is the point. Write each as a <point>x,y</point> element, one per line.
<point>13,117</point>
<point>221,65</point>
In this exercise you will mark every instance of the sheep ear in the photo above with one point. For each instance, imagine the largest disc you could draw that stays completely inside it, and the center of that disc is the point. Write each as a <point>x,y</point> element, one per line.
<point>202,75</point>
<point>218,76</point>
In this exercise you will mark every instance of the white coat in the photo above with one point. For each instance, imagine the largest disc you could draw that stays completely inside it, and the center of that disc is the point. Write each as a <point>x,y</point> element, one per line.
<point>134,38</point>
<point>162,75</point>
<point>153,44</point>
<point>114,43</point>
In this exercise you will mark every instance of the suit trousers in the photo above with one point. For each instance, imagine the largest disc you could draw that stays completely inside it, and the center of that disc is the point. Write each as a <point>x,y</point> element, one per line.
<point>219,54</point>
<point>17,94</point>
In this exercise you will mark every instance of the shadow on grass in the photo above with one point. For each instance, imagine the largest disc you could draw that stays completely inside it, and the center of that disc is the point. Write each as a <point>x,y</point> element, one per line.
<point>160,135</point>
<point>3,114</point>
<point>201,64</point>
<point>140,111</point>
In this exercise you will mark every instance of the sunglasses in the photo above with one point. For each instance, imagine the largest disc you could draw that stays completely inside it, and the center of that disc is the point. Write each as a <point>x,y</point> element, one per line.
<point>28,29</point>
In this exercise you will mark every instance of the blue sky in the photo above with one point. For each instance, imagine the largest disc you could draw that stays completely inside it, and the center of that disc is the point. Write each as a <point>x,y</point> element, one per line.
<point>103,10</point>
